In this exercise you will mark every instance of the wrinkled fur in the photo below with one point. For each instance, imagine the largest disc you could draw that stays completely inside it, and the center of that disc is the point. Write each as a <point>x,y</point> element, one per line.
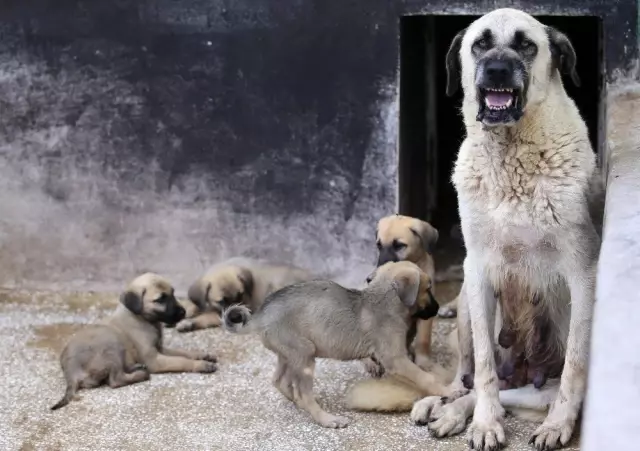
<point>237,280</point>
<point>530,200</point>
<point>323,319</point>
<point>127,346</point>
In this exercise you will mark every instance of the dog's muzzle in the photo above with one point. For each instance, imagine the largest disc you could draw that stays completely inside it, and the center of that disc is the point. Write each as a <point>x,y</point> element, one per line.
<point>173,315</point>
<point>501,88</point>
<point>430,310</point>
<point>386,256</point>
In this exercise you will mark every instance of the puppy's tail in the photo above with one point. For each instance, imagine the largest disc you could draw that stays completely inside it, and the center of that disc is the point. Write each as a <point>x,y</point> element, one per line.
<point>72,388</point>
<point>383,395</point>
<point>236,319</point>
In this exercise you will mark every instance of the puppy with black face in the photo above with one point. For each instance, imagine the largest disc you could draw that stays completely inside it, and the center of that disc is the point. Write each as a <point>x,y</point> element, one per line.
<point>239,280</point>
<point>403,238</point>
<point>127,347</point>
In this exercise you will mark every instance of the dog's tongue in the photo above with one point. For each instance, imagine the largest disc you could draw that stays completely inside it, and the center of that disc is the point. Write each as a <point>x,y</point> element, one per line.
<point>498,99</point>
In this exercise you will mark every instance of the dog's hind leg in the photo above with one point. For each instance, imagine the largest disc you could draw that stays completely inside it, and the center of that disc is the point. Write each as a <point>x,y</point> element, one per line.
<point>304,398</point>
<point>282,379</point>
<point>119,378</point>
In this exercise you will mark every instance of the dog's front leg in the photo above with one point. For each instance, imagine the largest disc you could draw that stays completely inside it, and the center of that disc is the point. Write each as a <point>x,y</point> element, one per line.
<point>486,431</point>
<point>464,372</point>
<point>194,355</point>
<point>557,428</point>
<point>161,363</point>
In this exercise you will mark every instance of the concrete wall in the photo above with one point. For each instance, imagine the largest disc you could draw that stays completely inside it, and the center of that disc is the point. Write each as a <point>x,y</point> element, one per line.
<point>158,135</point>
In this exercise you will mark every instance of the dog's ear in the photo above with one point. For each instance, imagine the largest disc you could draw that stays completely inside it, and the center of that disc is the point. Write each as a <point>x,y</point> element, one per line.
<point>132,301</point>
<point>427,234</point>
<point>246,279</point>
<point>199,293</point>
<point>453,63</point>
<point>407,285</point>
<point>371,276</point>
<point>562,54</point>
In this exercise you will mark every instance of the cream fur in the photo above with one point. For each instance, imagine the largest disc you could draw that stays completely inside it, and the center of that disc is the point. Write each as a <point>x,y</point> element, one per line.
<point>524,193</point>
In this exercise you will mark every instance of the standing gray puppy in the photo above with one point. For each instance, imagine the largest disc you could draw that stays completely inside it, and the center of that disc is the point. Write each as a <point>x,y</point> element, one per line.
<point>323,319</point>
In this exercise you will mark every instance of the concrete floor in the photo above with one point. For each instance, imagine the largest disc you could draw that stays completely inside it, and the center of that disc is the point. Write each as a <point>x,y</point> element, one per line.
<point>233,409</point>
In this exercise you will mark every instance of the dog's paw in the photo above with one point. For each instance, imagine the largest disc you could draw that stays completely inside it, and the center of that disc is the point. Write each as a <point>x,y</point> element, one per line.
<point>138,367</point>
<point>206,367</point>
<point>335,422</point>
<point>374,368</point>
<point>447,420</point>
<point>486,435</point>
<point>551,436</point>
<point>186,325</point>
<point>454,392</point>
<point>422,410</point>
<point>447,312</point>
<point>209,358</point>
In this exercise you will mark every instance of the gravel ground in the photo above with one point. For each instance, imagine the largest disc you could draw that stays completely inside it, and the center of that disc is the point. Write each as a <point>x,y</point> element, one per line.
<point>235,408</point>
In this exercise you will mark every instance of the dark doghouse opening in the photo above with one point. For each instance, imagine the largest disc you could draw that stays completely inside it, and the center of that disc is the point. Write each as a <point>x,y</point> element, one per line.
<point>431,128</point>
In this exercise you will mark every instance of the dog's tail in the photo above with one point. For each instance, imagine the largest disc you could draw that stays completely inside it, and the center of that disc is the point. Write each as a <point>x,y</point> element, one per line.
<point>236,319</point>
<point>72,388</point>
<point>387,394</point>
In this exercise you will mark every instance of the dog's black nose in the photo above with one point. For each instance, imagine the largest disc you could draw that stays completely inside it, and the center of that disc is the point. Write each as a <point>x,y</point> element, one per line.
<point>180,313</point>
<point>498,71</point>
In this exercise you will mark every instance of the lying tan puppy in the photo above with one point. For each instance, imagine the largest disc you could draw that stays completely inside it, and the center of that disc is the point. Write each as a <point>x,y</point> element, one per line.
<point>126,347</point>
<point>237,280</point>
<point>323,319</point>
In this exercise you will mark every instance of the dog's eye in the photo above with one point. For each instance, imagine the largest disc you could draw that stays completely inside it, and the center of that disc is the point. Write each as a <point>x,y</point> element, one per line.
<point>481,44</point>
<point>161,300</point>
<point>397,245</point>
<point>526,45</point>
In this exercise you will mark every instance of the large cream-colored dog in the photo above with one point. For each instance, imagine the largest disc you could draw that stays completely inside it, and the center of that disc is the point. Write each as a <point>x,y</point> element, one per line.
<point>236,280</point>
<point>530,201</point>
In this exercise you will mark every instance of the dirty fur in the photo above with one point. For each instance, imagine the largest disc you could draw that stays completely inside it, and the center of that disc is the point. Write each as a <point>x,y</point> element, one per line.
<point>528,195</point>
<point>320,318</point>
<point>237,280</point>
<point>128,346</point>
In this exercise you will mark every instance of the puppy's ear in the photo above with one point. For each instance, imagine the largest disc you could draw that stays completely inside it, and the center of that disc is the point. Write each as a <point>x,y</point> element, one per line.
<point>427,234</point>
<point>199,293</point>
<point>562,54</point>
<point>132,301</point>
<point>246,279</point>
<point>371,276</point>
<point>407,285</point>
<point>453,63</point>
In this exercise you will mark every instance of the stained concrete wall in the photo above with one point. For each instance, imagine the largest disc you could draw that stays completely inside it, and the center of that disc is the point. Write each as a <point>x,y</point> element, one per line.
<point>163,136</point>
<point>158,135</point>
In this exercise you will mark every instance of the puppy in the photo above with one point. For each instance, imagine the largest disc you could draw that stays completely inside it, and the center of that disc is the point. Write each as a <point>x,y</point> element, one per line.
<point>530,200</point>
<point>323,319</point>
<point>126,347</point>
<point>237,280</point>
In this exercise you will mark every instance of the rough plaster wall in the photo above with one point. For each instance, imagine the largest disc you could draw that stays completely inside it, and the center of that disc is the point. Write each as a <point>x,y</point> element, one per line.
<point>75,216</point>
<point>611,409</point>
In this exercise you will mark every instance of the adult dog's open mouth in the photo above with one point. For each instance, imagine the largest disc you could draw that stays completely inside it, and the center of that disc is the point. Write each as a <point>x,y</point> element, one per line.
<point>499,106</point>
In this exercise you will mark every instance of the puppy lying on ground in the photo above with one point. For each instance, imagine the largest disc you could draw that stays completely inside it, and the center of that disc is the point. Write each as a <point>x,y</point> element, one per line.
<point>323,319</point>
<point>126,347</point>
<point>237,280</point>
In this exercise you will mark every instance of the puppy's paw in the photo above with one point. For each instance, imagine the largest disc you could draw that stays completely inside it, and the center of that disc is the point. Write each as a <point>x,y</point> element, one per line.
<point>422,410</point>
<point>447,312</point>
<point>186,325</point>
<point>552,435</point>
<point>334,422</point>
<point>447,420</point>
<point>138,367</point>
<point>453,392</point>
<point>209,358</point>
<point>374,368</point>
<point>204,366</point>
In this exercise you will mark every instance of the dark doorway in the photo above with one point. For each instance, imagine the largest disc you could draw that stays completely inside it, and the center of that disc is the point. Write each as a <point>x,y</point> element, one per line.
<point>431,128</point>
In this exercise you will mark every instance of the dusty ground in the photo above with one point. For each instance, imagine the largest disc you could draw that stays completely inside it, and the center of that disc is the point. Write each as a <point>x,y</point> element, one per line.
<point>233,409</point>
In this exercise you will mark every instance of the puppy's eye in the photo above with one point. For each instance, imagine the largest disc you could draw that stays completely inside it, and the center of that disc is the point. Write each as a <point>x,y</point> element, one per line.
<point>161,300</point>
<point>526,46</point>
<point>397,245</point>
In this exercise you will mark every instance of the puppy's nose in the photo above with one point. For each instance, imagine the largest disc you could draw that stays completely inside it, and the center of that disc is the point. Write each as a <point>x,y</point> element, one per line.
<point>181,312</point>
<point>498,71</point>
